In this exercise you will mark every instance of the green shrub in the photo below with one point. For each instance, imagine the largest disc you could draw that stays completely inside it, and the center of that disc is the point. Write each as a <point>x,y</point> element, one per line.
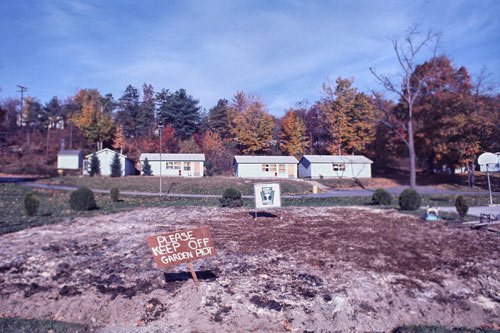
<point>95,165</point>
<point>115,194</point>
<point>231,198</point>
<point>461,206</point>
<point>409,200</point>
<point>31,204</point>
<point>146,168</point>
<point>381,197</point>
<point>116,166</point>
<point>82,199</point>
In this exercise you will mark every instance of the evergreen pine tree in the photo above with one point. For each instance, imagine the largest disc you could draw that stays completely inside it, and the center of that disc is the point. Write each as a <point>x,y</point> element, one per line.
<point>218,119</point>
<point>116,166</point>
<point>146,116</point>
<point>128,111</point>
<point>146,168</point>
<point>95,166</point>
<point>180,110</point>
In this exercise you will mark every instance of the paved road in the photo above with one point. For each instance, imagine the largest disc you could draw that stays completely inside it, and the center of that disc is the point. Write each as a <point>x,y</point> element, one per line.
<point>477,211</point>
<point>425,190</point>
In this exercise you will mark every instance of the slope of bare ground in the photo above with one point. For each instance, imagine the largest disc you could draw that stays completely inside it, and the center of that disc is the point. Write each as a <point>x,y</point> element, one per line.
<point>317,269</point>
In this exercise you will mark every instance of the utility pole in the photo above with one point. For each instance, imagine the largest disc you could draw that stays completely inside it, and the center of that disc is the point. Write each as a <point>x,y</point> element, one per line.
<point>22,90</point>
<point>160,129</point>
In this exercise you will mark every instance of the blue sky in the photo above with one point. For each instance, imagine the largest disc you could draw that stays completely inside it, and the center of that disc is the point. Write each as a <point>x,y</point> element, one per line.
<point>281,51</point>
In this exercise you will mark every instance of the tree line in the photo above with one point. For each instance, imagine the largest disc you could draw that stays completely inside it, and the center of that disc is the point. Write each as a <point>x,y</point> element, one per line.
<point>453,119</point>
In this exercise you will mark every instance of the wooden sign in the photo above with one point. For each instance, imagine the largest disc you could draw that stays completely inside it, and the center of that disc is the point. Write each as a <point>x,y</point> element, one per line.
<point>267,195</point>
<point>181,246</point>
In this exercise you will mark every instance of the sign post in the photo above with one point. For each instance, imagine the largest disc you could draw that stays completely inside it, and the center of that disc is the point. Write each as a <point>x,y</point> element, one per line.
<point>267,196</point>
<point>487,159</point>
<point>174,248</point>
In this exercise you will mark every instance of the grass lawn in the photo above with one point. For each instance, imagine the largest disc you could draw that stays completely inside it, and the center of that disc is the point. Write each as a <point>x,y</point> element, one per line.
<point>203,185</point>
<point>54,205</point>
<point>20,325</point>
<point>456,182</point>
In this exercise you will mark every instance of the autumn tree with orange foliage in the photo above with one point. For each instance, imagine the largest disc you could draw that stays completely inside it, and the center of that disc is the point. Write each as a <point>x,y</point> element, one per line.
<point>218,153</point>
<point>293,139</point>
<point>453,124</point>
<point>349,117</point>
<point>211,143</point>
<point>252,125</point>
<point>119,140</point>
<point>90,118</point>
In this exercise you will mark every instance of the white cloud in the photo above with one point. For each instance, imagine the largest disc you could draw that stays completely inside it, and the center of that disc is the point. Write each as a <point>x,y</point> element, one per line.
<point>280,50</point>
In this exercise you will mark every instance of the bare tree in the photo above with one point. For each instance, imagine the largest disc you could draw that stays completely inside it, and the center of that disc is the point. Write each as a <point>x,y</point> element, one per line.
<point>408,89</point>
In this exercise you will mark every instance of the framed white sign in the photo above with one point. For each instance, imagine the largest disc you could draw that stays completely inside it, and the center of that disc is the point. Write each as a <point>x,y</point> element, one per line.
<point>267,195</point>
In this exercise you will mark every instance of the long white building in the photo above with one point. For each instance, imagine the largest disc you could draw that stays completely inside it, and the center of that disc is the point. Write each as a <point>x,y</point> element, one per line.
<point>265,166</point>
<point>175,165</point>
<point>335,166</point>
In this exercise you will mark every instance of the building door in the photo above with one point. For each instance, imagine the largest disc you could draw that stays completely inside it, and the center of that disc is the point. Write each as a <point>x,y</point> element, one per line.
<point>291,171</point>
<point>197,169</point>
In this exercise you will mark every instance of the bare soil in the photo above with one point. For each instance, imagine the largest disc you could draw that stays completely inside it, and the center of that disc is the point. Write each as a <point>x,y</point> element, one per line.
<point>316,269</point>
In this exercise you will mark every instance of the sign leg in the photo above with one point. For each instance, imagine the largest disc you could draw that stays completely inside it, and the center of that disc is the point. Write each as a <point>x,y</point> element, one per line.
<point>193,274</point>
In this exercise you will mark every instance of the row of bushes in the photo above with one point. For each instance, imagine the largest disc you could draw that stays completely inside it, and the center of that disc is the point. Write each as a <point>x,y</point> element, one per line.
<point>411,200</point>
<point>82,199</point>
<point>408,200</point>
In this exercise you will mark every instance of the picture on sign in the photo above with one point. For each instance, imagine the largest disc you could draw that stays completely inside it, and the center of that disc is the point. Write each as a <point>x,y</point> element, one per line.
<point>182,246</point>
<point>267,195</point>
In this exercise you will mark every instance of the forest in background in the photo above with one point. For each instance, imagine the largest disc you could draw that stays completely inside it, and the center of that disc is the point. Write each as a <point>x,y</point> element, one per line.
<point>455,119</point>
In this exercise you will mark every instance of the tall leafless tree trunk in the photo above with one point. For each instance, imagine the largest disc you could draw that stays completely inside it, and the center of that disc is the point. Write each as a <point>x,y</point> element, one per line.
<point>408,90</point>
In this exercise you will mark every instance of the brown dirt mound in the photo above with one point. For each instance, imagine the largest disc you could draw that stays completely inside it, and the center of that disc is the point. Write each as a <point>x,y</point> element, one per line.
<point>316,269</point>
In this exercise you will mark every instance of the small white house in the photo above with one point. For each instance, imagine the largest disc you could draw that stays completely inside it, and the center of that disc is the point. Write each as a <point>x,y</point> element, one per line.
<point>265,166</point>
<point>335,166</point>
<point>491,167</point>
<point>175,165</point>
<point>70,159</point>
<point>106,157</point>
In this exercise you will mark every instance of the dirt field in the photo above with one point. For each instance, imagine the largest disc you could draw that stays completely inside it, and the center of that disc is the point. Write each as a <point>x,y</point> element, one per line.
<point>317,269</point>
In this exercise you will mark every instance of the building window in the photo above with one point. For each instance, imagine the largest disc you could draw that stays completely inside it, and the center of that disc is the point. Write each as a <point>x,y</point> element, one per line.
<point>282,168</point>
<point>187,166</point>
<point>173,165</point>
<point>338,166</point>
<point>269,167</point>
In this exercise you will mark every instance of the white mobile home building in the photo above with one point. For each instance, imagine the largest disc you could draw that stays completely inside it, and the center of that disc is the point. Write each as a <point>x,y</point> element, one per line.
<point>105,157</point>
<point>175,165</point>
<point>70,159</point>
<point>335,166</point>
<point>265,166</point>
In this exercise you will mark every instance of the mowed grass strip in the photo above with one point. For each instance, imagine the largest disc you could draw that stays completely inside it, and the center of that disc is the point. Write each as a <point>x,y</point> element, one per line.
<point>54,205</point>
<point>202,185</point>
<point>21,325</point>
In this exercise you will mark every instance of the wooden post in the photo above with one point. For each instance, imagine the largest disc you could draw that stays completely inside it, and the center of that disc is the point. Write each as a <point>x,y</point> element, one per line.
<point>193,274</point>
<point>489,184</point>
